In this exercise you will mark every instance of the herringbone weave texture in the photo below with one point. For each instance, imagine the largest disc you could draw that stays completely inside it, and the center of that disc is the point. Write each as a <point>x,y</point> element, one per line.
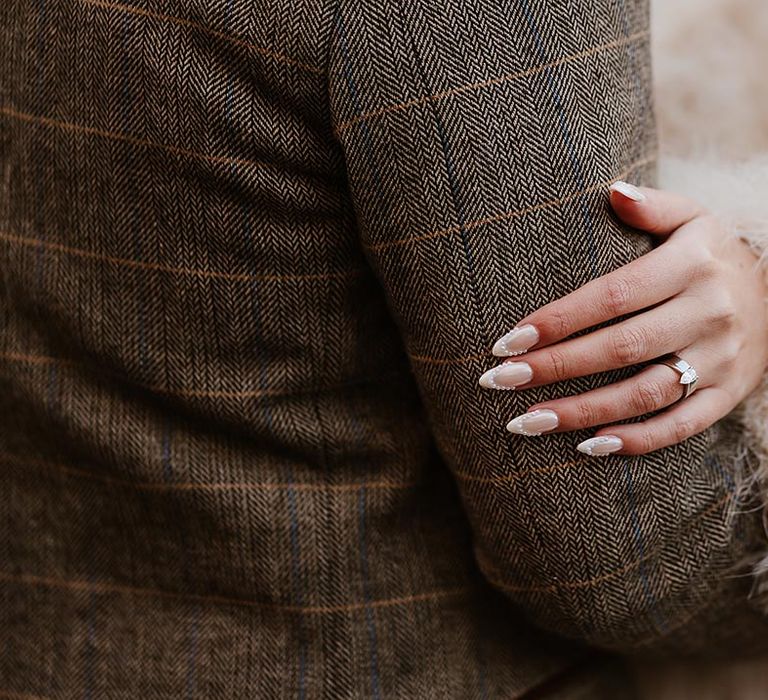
<point>253,255</point>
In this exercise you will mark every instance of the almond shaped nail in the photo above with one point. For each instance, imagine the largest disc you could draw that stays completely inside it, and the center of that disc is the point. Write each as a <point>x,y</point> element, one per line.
<point>517,341</point>
<point>506,376</point>
<point>534,423</point>
<point>629,191</point>
<point>602,445</point>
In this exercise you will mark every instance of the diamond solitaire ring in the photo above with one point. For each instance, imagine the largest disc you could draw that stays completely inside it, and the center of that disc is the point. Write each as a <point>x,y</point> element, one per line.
<point>688,376</point>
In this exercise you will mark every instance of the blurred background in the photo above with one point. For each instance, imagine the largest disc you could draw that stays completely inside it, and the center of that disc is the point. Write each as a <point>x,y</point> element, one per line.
<point>711,67</point>
<point>711,64</point>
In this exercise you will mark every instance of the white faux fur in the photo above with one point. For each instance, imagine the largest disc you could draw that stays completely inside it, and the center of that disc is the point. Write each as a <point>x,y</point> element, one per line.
<point>710,58</point>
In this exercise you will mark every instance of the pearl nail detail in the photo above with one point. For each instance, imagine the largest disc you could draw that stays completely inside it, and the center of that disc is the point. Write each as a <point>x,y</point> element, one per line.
<point>506,376</point>
<point>534,423</point>
<point>602,445</point>
<point>517,341</point>
<point>629,191</point>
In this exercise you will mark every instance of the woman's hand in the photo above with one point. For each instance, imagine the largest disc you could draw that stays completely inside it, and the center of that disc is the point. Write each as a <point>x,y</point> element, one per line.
<point>701,295</point>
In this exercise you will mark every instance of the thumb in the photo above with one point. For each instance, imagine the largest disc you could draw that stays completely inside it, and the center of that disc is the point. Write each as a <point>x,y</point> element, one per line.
<point>654,211</point>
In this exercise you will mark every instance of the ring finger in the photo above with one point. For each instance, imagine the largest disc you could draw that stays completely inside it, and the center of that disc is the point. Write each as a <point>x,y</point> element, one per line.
<point>652,389</point>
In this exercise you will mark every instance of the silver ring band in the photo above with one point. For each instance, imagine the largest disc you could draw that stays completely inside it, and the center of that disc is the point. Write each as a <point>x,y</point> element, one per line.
<point>688,377</point>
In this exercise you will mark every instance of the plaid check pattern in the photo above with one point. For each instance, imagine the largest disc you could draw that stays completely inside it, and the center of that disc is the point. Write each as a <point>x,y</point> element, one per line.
<point>253,255</point>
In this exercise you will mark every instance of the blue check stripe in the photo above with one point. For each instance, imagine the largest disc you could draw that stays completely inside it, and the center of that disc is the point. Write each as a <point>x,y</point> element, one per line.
<point>461,218</point>
<point>635,519</point>
<point>53,378</point>
<point>128,102</point>
<point>42,12</point>
<point>728,479</point>
<point>40,47</point>
<point>190,677</point>
<point>191,671</point>
<point>633,63</point>
<point>579,177</point>
<point>456,199</point>
<point>90,648</point>
<point>297,593</point>
<point>355,95</point>
<point>730,484</point>
<point>565,131</point>
<point>372,163</point>
<point>637,532</point>
<point>372,640</point>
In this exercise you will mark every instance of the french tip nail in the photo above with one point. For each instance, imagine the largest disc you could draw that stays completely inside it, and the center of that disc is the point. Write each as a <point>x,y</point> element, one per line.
<point>500,349</point>
<point>601,445</point>
<point>488,381</point>
<point>534,423</point>
<point>519,340</point>
<point>506,376</point>
<point>629,191</point>
<point>485,381</point>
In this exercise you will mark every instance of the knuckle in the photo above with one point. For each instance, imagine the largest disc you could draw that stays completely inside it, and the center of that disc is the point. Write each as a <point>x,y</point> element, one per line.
<point>627,345</point>
<point>705,266</point>
<point>733,393</point>
<point>683,429</point>
<point>559,323</point>
<point>586,414</point>
<point>646,442</point>
<point>731,352</point>
<point>723,312</point>
<point>710,221</point>
<point>558,366</point>
<point>617,295</point>
<point>721,359</point>
<point>727,363</point>
<point>647,397</point>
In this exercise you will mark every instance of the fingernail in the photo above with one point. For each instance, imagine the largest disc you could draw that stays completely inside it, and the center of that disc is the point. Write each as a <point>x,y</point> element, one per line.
<point>507,375</point>
<point>629,191</point>
<point>534,422</point>
<point>517,341</point>
<point>602,445</point>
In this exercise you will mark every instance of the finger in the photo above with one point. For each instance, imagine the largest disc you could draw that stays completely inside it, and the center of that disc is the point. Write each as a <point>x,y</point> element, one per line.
<point>686,419</point>
<point>652,389</point>
<point>644,282</point>
<point>661,330</point>
<point>655,211</point>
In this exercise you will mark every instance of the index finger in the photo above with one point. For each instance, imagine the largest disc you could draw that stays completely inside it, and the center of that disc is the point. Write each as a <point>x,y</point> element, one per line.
<point>649,280</point>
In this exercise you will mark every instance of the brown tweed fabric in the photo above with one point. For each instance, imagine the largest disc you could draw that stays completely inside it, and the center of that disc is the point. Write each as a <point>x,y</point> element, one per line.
<point>226,470</point>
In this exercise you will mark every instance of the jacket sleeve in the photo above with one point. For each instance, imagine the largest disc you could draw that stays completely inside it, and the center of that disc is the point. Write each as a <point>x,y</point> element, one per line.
<point>479,140</point>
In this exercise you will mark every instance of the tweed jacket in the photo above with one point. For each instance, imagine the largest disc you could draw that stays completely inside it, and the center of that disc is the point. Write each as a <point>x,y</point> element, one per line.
<point>253,257</point>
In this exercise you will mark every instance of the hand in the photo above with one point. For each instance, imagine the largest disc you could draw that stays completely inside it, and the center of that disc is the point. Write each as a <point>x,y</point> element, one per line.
<point>701,295</point>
